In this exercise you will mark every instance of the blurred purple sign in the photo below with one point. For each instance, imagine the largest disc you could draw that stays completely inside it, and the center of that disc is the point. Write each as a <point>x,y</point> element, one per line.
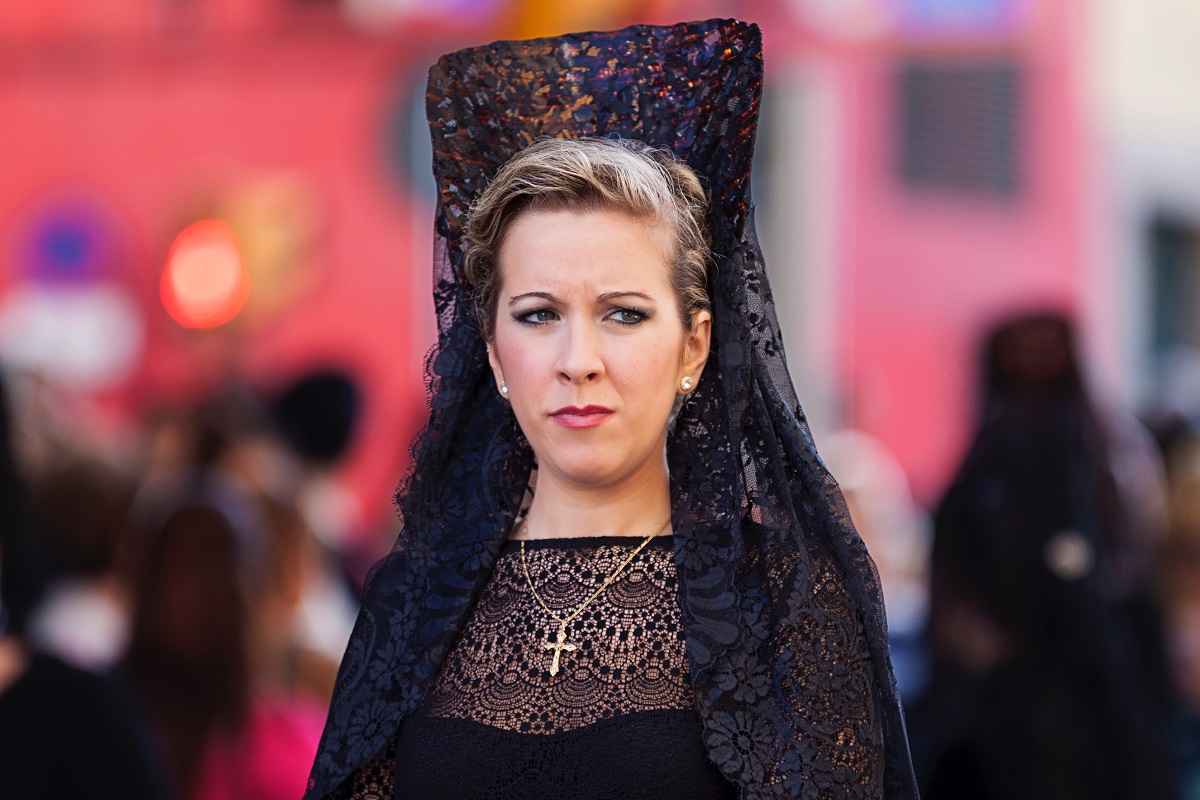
<point>67,237</point>
<point>958,16</point>
<point>67,313</point>
<point>450,11</point>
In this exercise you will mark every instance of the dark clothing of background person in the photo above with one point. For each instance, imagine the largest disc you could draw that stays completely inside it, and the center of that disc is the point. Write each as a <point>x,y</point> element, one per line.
<point>1048,678</point>
<point>69,734</point>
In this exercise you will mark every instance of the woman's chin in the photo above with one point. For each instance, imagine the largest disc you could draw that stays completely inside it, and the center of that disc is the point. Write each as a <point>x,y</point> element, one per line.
<point>587,472</point>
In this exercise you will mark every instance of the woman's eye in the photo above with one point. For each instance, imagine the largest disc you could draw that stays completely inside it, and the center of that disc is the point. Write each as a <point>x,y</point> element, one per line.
<point>628,316</point>
<point>539,316</point>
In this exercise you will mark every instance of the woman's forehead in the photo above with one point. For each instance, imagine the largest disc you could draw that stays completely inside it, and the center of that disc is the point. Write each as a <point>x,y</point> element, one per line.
<point>595,251</point>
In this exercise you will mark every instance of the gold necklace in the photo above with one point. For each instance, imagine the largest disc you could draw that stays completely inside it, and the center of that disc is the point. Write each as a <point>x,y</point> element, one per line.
<point>560,644</point>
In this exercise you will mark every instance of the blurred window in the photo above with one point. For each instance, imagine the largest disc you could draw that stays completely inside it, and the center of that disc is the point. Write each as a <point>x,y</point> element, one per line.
<point>1175,259</point>
<point>960,124</point>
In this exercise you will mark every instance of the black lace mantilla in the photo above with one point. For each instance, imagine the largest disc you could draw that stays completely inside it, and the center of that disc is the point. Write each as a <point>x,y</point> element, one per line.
<point>780,604</point>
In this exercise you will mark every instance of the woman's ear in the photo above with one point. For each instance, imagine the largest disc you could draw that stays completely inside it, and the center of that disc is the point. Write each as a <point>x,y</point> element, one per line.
<point>695,349</point>
<point>497,369</point>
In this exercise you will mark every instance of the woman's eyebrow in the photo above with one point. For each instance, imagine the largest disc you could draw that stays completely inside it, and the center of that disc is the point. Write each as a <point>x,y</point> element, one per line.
<point>602,298</point>
<point>613,295</point>
<point>543,295</point>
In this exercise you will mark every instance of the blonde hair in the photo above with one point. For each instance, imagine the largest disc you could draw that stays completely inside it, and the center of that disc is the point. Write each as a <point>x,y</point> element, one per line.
<point>588,174</point>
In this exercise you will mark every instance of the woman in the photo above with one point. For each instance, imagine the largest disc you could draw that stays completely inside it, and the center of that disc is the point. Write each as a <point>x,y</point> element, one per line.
<point>593,594</point>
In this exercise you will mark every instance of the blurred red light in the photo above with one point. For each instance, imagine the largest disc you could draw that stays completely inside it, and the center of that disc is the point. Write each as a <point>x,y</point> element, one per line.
<point>205,283</point>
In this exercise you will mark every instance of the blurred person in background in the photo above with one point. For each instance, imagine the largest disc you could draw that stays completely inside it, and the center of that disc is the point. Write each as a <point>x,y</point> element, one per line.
<point>187,660</point>
<point>288,659</point>
<point>65,734</point>
<point>1048,677</point>
<point>81,505</point>
<point>1180,565</point>
<point>896,532</point>
<point>210,658</point>
<point>317,416</point>
<point>222,652</point>
<point>236,444</point>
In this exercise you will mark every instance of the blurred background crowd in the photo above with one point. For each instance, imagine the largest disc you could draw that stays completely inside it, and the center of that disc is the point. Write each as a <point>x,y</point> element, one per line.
<point>982,220</point>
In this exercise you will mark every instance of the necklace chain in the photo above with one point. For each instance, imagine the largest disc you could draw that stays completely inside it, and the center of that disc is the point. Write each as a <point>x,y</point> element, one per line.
<point>563,623</point>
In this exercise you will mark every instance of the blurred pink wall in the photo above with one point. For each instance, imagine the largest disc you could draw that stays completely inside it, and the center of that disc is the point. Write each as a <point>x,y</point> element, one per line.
<point>921,272</point>
<point>149,110</point>
<point>150,122</point>
<point>929,272</point>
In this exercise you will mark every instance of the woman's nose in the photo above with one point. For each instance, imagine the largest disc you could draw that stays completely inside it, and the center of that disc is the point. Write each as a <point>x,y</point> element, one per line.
<point>580,359</point>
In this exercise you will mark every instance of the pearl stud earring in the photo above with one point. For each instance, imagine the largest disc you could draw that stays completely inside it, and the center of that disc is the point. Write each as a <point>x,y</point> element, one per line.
<point>504,388</point>
<point>686,383</point>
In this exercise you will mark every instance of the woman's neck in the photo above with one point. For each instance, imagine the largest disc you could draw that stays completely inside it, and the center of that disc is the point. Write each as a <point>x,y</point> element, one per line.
<point>636,509</point>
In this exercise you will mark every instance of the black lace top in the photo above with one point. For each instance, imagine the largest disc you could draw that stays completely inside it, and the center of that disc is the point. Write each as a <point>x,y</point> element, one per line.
<point>618,720</point>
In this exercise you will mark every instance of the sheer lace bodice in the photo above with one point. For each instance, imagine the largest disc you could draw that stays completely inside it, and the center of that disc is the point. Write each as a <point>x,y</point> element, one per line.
<point>617,721</point>
<point>631,647</point>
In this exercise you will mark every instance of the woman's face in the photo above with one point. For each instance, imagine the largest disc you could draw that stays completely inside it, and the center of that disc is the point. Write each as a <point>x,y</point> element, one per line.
<point>590,343</point>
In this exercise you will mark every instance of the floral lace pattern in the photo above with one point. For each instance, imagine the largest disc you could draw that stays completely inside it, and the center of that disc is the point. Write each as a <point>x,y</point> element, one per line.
<point>780,604</point>
<point>630,654</point>
<point>375,780</point>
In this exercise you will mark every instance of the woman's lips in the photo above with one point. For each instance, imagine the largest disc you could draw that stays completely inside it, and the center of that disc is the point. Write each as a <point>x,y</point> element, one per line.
<point>586,417</point>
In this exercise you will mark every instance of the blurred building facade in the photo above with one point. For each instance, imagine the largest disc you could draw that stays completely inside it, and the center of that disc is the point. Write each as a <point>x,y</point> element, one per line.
<point>130,120</point>
<point>938,181</point>
<point>925,167</point>
<point>1143,94</point>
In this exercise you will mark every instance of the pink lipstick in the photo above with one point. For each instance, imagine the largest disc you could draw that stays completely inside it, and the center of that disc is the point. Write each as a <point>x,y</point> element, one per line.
<point>586,417</point>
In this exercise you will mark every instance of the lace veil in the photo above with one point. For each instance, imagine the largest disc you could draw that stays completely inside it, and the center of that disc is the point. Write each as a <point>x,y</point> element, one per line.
<point>781,604</point>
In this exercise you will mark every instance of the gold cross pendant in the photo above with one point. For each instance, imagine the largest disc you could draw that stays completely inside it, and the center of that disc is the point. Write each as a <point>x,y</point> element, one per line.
<point>558,646</point>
